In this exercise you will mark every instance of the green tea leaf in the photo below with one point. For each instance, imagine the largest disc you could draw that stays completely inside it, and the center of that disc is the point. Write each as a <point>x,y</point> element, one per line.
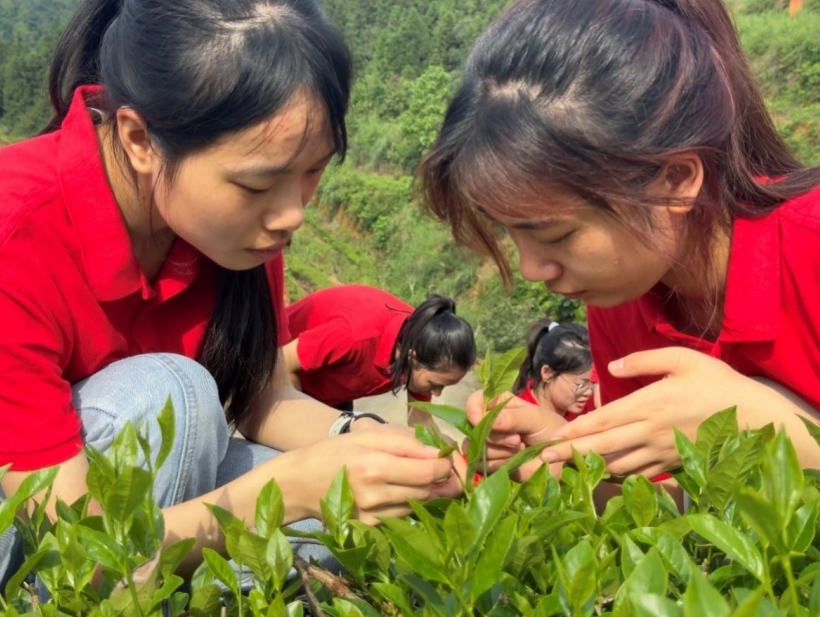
<point>431,599</point>
<point>674,555</point>
<point>732,542</point>
<point>206,601</point>
<point>504,372</point>
<point>761,516</point>
<point>452,415</point>
<point>487,503</point>
<point>694,462</point>
<point>581,587</point>
<point>131,488</point>
<point>413,546</point>
<point>714,432</point>
<point>651,605</point>
<point>703,600</point>
<point>167,426</point>
<point>782,476</point>
<point>338,506</point>
<point>394,594</point>
<point>459,529</point>
<point>221,569</point>
<point>279,555</point>
<point>102,549</point>
<point>525,456</point>
<point>803,527</point>
<point>429,437</point>
<point>492,557</point>
<point>270,509</point>
<point>728,473</point>
<point>648,576</point>
<point>252,552</point>
<point>813,428</point>
<point>631,555</point>
<point>640,500</point>
<point>814,597</point>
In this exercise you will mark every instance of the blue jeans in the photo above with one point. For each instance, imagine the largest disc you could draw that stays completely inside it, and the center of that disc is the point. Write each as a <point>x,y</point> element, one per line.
<point>204,455</point>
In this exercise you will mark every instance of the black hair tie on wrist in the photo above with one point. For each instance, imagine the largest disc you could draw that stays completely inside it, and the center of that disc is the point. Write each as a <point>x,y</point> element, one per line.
<point>358,416</point>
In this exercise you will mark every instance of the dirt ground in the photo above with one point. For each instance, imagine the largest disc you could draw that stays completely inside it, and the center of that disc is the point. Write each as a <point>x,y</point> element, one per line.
<point>394,408</point>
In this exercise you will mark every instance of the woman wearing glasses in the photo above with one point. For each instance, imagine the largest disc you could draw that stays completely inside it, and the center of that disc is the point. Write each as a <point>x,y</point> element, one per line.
<point>556,374</point>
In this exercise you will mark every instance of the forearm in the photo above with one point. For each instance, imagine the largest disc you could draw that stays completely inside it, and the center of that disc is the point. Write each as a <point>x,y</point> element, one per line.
<point>777,405</point>
<point>287,419</point>
<point>192,519</point>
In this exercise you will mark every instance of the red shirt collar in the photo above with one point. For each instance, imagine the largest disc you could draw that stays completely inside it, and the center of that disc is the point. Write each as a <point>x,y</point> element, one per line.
<point>108,257</point>
<point>753,272</point>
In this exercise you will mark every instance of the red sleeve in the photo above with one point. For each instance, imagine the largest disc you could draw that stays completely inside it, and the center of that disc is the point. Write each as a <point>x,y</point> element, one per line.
<point>604,351</point>
<point>276,279</point>
<point>325,345</point>
<point>38,425</point>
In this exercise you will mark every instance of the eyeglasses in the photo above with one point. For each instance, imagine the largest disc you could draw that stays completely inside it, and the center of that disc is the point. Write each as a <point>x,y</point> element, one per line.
<point>580,388</point>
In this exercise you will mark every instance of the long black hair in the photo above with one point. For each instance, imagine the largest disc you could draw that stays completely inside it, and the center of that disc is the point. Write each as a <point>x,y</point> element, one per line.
<point>196,71</point>
<point>435,338</point>
<point>563,347</point>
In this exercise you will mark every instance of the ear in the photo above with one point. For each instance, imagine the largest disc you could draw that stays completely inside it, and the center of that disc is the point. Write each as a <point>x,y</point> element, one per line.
<point>546,373</point>
<point>136,141</point>
<point>680,180</point>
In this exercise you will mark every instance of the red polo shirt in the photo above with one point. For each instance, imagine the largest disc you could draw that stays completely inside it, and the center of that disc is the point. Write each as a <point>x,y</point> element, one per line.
<point>73,298</point>
<point>771,324</point>
<point>347,335</point>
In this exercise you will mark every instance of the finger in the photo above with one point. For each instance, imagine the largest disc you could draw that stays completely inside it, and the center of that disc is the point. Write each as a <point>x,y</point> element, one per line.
<point>474,407</point>
<point>611,441</point>
<point>395,440</point>
<point>377,498</point>
<point>641,461</point>
<point>664,361</point>
<point>401,471</point>
<point>602,419</point>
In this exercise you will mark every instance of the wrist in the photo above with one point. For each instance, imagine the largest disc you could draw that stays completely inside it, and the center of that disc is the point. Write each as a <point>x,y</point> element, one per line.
<point>363,424</point>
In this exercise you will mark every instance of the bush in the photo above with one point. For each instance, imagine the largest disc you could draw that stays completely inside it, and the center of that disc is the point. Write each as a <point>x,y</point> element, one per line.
<point>748,544</point>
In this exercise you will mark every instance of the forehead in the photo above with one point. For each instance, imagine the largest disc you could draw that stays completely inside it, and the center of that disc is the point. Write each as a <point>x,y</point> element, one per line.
<point>300,126</point>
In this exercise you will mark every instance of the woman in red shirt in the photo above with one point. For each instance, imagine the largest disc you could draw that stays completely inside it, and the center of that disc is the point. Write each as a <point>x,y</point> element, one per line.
<point>353,341</point>
<point>628,153</point>
<point>557,372</point>
<point>140,259</point>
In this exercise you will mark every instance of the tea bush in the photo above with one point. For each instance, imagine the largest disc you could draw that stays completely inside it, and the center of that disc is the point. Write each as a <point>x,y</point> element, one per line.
<point>746,545</point>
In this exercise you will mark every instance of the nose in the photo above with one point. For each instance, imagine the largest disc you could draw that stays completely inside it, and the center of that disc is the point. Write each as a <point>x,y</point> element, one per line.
<point>286,212</point>
<point>536,269</point>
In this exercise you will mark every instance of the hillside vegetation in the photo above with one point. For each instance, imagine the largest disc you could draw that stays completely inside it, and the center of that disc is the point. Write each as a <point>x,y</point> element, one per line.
<point>364,226</point>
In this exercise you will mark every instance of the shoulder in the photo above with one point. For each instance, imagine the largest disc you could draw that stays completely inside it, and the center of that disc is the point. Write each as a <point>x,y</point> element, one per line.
<point>29,181</point>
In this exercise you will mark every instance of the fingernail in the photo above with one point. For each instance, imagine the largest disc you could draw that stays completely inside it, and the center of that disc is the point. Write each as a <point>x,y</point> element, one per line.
<point>616,366</point>
<point>549,457</point>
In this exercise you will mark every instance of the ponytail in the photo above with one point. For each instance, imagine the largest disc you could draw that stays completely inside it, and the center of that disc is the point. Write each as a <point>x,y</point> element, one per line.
<point>564,348</point>
<point>434,338</point>
<point>76,59</point>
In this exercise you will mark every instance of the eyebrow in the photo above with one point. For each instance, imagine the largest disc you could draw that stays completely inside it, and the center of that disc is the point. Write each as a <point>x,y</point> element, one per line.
<point>526,225</point>
<point>263,170</point>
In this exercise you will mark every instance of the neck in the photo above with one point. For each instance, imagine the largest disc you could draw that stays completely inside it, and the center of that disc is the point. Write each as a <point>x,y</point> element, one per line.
<point>697,287</point>
<point>151,238</point>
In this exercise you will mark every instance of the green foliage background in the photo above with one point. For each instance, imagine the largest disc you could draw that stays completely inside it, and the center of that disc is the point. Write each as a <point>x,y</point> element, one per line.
<point>365,226</point>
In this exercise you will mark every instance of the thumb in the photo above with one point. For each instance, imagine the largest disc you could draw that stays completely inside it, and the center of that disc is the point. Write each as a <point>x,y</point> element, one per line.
<point>664,361</point>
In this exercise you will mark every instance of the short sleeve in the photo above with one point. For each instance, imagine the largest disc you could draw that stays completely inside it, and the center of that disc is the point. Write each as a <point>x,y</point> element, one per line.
<point>38,425</point>
<point>325,345</point>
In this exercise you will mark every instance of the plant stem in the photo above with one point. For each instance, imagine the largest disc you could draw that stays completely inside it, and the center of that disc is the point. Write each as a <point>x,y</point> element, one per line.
<point>787,568</point>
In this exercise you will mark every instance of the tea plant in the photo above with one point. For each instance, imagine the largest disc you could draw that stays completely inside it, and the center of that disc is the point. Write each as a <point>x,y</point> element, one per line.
<point>746,545</point>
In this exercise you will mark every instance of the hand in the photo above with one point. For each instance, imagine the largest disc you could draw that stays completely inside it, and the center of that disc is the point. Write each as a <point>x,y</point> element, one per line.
<point>519,424</point>
<point>635,433</point>
<point>386,466</point>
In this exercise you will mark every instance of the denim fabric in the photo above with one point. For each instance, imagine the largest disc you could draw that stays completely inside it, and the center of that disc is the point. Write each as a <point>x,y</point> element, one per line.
<point>204,455</point>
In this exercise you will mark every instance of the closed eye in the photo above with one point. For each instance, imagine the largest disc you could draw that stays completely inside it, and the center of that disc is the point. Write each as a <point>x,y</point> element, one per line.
<point>559,239</point>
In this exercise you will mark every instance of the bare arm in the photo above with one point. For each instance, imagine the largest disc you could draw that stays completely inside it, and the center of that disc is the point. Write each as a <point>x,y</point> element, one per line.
<point>286,419</point>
